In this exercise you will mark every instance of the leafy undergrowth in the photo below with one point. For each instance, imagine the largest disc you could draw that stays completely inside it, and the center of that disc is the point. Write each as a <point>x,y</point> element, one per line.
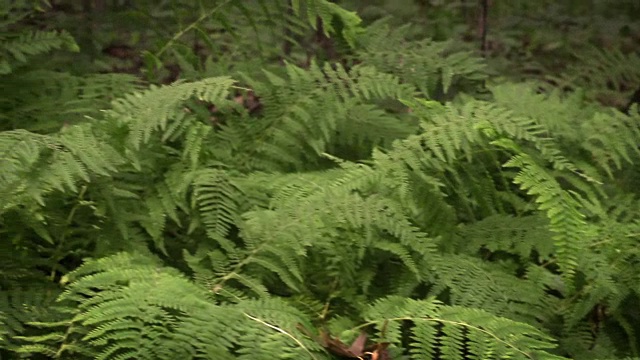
<point>304,183</point>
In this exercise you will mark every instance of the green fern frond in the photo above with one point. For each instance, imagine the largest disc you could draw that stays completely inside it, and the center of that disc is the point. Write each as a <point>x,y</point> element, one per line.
<point>457,332</point>
<point>108,293</point>
<point>21,312</point>
<point>309,111</point>
<point>325,10</point>
<point>16,49</point>
<point>433,67</point>
<point>611,138</point>
<point>576,125</point>
<point>40,164</point>
<point>521,236</point>
<point>46,101</point>
<point>215,195</point>
<point>609,75</point>
<point>156,109</point>
<point>562,208</point>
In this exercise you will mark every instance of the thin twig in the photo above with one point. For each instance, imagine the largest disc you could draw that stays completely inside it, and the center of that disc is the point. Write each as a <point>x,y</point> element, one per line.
<point>188,28</point>
<point>282,331</point>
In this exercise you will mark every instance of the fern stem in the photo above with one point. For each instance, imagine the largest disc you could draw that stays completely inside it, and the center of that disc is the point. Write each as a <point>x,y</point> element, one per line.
<point>190,27</point>
<point>282,331</point>
<point>451,322</point>
<point>236,269</point>
<point>58,253</point>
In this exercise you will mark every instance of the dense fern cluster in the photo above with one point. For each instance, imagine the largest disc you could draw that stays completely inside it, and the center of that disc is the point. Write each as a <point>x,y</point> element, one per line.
<point>392,194</point>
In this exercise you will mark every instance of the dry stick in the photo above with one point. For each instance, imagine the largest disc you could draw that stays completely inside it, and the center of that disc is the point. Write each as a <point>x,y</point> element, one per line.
<point>191,26</point>
<point>484,12</point>
<point>282,331</point>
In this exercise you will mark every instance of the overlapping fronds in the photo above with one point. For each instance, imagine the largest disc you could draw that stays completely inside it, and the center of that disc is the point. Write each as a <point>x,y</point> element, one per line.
<point>34,165</point>
<point>608,75</point>
<point>45,101</point>
<point>440,331</point>
<point>16,49</point>
<point>159,107</point>
<point>435,68</point>
<point>311,111</point>
<point>134,308</point>
<point>236,218</point>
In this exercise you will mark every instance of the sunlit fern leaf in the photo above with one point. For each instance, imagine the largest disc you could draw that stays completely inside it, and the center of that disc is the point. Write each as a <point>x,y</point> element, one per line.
<point>608,135</point>
<point>562,209</point>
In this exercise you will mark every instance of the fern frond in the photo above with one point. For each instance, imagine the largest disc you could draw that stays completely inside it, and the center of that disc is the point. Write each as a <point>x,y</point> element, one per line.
<point>46,101</point>
<point>609,75</point>
<point>308,112</point>
<point>23,316</point>
<point>40,164</point>
<point>562,208</point>
<point>215,195</point>
<point>472,283</point>
<point>109,306</point>
<point>435,68</point>
<point>154,109</point>
<point>521,236</point>
<point>325,10</point>
<point>16,49</point>
<point>458,332</point>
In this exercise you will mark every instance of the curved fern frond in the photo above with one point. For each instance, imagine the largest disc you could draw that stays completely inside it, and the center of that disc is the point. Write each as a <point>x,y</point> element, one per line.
<point>15,50</point>
<point>39,164</point>
<point>119,325</point>
<point>152,110</point>
<point>311,111</point>
<point>435,68</point>
<point>562,208</point>
<point>326,10</point>
<point>457,332</point>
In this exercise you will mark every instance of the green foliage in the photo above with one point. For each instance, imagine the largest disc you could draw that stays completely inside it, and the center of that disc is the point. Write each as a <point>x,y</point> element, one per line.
<point>245,211</point>
<point>18,46</point>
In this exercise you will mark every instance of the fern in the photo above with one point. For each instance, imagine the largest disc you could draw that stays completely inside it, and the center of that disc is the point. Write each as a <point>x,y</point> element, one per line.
<point>523,236</point>
<point>216,196</point>
<point>458,333</point>
<point>561,207</point>
<point>306,120</point>
<point>144,113</point>
<point>325,10</point>
<point>247,208</point>
<point>435,68</point>
<point>40,164</point>
<point>45,101</point>
<point>610,76</point>
<point>24,312</point>
<point>116,320</point>
<point>16,49</point>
